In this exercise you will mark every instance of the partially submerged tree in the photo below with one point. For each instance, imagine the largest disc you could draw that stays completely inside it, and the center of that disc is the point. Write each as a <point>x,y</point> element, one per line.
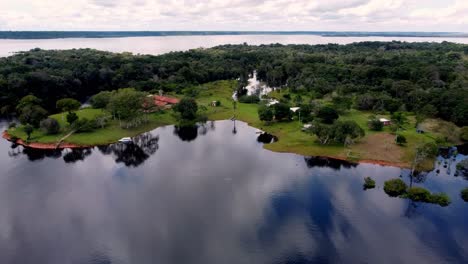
<point>395,187</point>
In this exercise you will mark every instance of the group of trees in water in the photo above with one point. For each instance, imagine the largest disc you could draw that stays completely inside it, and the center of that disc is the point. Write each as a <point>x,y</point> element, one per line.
<point>429,78</point>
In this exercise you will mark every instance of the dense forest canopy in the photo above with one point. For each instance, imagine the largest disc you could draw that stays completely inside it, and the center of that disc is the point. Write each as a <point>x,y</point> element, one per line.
<point>387,76</point>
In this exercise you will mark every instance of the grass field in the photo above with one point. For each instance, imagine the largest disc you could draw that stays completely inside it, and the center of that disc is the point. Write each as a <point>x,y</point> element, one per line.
<point>376,146</point>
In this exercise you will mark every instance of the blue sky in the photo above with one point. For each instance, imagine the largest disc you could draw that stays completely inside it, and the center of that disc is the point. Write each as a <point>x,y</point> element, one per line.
<point>340,15</point>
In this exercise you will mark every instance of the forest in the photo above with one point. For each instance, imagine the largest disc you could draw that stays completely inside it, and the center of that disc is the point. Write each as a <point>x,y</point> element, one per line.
<point>430,79</point>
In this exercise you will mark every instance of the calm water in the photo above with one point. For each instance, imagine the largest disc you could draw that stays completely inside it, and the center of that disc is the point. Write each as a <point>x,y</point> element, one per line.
<point>159,45</point>
<point>210,196</point>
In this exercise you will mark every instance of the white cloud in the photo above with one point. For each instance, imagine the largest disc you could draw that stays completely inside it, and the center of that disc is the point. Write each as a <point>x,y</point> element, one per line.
<point>372,15</point>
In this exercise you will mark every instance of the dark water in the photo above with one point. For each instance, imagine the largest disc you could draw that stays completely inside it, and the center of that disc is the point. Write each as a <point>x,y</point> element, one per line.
<point>209,195</point>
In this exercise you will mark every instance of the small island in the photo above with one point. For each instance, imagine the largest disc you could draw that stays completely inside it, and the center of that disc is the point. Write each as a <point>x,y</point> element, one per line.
<point>361,102</point>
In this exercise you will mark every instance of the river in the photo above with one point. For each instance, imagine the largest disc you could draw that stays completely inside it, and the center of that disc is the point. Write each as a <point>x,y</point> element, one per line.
<point>213,194</point>
<point>159,45</point>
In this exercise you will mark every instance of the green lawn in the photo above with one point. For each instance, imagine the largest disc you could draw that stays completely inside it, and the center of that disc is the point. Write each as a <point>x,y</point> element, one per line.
<point>291,137</point>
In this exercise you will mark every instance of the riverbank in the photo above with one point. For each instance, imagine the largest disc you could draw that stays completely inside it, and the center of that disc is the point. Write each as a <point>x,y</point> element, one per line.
<point>375,147</point>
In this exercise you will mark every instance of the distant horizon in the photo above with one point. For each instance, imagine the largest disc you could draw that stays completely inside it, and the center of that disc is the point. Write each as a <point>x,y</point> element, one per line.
<point>51,34</point>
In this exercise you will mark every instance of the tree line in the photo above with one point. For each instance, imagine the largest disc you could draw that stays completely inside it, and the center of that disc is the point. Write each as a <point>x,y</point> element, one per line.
<point>431,78</point>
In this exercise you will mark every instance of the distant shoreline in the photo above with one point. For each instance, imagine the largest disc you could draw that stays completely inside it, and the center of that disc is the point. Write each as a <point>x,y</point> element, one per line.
<point>125,34</point>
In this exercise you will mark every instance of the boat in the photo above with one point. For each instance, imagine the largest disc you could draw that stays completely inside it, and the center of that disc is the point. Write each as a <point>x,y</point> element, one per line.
<point>125,140</point>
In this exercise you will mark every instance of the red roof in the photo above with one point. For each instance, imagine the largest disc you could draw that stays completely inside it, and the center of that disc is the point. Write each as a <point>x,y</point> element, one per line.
<point>167,100</point>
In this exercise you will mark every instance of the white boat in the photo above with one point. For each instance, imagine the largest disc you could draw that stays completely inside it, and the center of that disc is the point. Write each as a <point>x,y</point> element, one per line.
<point>125,140</point>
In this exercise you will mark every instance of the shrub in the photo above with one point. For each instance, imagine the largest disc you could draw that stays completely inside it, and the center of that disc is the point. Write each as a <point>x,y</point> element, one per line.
<point>375,125</point>
<point>464,194</point>
<point>419,194</point>
<point>50,126</point>
<point>369,183</point>
<point>12,125</point>
<point>282,111</point>
<point>265,113</point>
<point>101,100</point>
<point>441,199</point>
<point>400,140</point>
<point>395,187</point>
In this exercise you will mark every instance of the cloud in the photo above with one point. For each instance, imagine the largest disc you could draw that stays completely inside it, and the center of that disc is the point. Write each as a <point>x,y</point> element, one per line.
<point>371,15</point>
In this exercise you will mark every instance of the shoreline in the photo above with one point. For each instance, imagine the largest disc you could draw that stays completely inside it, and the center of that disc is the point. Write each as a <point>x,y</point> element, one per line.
<point>51,146</point>
<point>43,146</point>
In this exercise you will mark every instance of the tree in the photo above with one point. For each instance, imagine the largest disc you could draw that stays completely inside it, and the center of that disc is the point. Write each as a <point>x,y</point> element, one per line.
<point>265,113</point>
<point>68,105</point>
<point>395,187</point>
<point>187,107</point>
<point>101,100</point>
<point>282,111</point>
<point>28,100</point>
<point>327,114</point>
<point>126,104</point>
<point>343,132</point>
<point>464,133</point>
<point>399,119</point>
<point>50,126</point>
<point>32,114</point>
<point>28,129</point>
<point>346,132</point>
<point>423,152</point>
<point>71,118</point>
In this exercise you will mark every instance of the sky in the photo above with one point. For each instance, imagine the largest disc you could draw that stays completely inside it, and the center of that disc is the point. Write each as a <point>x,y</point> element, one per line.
<point>272,15</point>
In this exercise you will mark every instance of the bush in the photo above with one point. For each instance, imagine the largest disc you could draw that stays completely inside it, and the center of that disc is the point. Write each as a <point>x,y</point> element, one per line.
<point>12,125</point>
<point>375,125</point>
<point>249,99</point>
<point>50,126</point>
<point>441,199</point>
<point>464,194</point>
<point>265,113</point>
<point>395,187</point>
<point>282,111</point>
<point>369,183</point>
<point>400,140</point>
<point>419,194</point>
<point>101,100</point>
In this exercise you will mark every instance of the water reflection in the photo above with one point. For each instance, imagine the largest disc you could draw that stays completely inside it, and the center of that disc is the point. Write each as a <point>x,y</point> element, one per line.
<point>220,199</point>
<point>135,153</point>
<point>74,155</point>
<point>324,162</point>
<point>266,138</point>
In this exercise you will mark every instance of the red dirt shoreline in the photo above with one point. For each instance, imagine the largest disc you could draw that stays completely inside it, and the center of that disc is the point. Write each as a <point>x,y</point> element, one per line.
<point>50,146</point>
<point>44,146</point>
